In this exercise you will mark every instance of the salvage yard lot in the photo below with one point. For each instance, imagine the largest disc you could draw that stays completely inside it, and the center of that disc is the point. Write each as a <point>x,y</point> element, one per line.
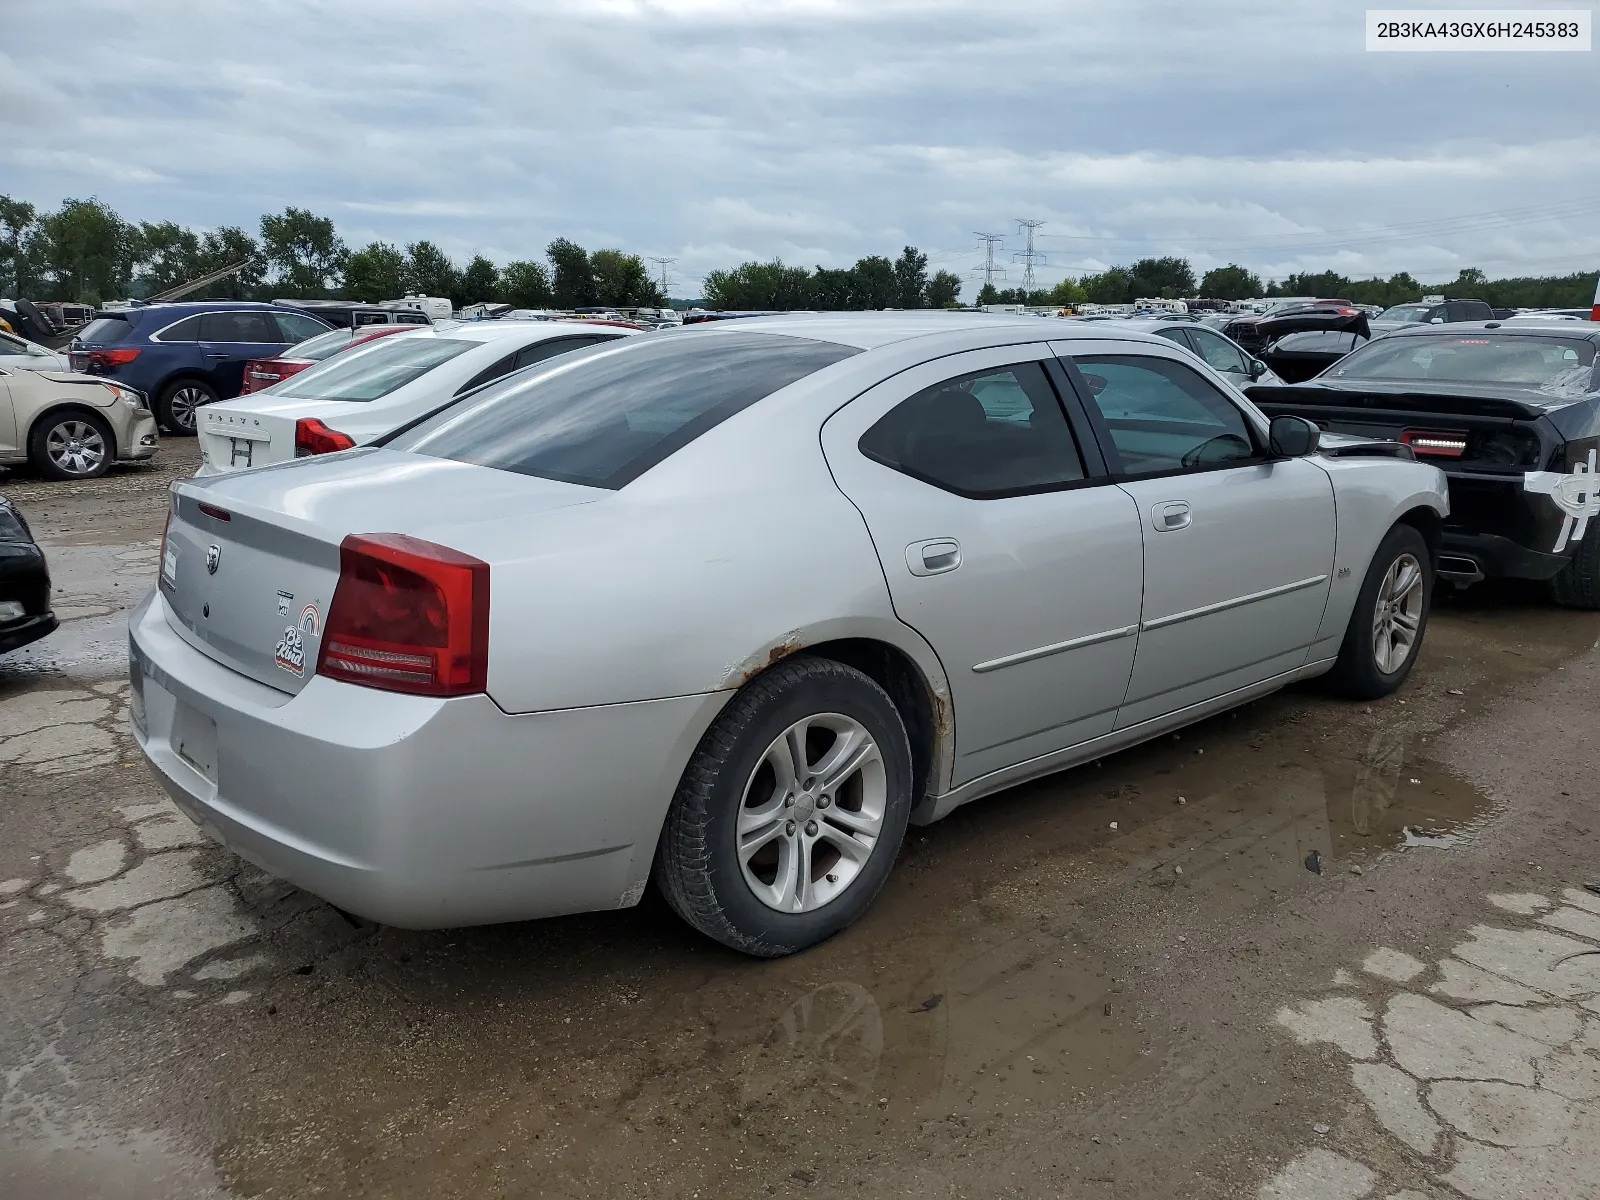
<point>1127,980</point>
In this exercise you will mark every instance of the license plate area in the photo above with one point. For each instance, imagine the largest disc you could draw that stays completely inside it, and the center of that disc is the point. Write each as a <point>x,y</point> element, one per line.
<point>194,739</point>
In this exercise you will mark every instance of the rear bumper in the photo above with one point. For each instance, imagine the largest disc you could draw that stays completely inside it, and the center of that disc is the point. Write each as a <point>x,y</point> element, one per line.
<point>16,634</point>
<point>411,811</point>
<point>1500,557</point>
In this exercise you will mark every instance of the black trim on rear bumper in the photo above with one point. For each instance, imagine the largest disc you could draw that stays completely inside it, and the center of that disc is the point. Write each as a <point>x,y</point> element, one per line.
<point>1500,556</point>
<point>22,631</point>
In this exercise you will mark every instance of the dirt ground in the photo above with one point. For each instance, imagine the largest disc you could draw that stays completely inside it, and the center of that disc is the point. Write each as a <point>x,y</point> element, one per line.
<point>1307,949</point>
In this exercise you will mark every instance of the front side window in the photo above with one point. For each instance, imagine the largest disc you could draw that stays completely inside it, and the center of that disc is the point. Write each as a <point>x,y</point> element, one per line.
<point>606,418</point>
<point>1164,416</point>
<point>371,371</point>
<point>242,327</point>
<point>992,433</point>
<point>1220,353</point>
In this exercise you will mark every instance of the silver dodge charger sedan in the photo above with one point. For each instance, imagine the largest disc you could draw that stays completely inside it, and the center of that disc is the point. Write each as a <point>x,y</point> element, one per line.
<point>727,607</point>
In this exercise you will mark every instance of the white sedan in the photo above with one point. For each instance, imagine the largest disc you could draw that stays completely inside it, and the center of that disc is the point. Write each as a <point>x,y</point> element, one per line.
<point>372,389</point>
<point>727,607</point>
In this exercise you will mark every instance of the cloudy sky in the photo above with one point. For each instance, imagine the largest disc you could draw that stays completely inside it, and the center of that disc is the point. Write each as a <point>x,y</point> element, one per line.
<point>715,131</point>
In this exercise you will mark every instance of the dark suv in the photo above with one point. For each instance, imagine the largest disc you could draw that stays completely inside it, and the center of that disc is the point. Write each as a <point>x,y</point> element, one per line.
<point>185,355</point>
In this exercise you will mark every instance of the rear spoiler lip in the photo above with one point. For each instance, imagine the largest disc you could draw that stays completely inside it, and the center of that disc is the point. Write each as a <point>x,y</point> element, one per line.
<point>1413,407</point>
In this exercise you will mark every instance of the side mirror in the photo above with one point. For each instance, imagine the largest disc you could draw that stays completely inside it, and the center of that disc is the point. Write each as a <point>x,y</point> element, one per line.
<point>1292,437</point>
<point>1257,368</point>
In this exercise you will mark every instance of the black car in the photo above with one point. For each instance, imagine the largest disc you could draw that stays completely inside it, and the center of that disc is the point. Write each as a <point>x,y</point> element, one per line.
<point>25,614</point>
<point>351,314</point>
<point>1281,338</point>
<point>1512,415</point>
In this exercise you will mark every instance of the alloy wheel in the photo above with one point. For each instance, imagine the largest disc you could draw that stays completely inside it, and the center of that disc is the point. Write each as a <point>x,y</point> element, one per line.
<point>1397,619</point>
<point>811,813</point>
<point>182,404</point>
<point>76,448</point>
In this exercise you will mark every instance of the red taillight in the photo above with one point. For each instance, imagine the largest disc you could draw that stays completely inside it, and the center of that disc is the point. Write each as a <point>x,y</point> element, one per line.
<point>111,358</point>
<point>1438,444</point>
<point>408,616</point>
<point>311,436</point>
<point>1347,312</point>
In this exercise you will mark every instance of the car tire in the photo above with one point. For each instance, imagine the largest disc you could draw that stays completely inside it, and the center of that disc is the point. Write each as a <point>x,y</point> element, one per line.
<point>71,445</point>
<point>827,861</point>
<point>175,409</point>
<point>1394,602</point>
<point>1578,583</point>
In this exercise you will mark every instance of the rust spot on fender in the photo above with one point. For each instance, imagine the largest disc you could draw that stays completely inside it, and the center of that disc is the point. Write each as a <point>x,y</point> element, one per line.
<point>751,667</point>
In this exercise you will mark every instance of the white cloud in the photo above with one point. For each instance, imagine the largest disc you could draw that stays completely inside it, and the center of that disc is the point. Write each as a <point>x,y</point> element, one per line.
<point>813,130</point>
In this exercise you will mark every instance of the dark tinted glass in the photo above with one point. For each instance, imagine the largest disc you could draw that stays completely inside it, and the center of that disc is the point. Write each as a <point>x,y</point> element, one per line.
<point>1319,341</point>
<point>187,330</point>
<point>294,328</point>
<point>104,331</point>
<point>251,327</point>
<point>610,415</point>
<point>993,433</point>
<point>1164,416</point>
<point>1475,357</point>
<point>540,351</point>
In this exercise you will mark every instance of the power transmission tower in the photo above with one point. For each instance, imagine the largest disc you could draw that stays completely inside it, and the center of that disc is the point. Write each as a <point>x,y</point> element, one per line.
<point>1029,256</point>
<point>990,268</point>
<point>663,264</point>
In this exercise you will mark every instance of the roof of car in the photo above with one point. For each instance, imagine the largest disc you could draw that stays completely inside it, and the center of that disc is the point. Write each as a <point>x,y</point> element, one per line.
<point>870,330</point>
<point>1522,328</point>
<point>493,331</point>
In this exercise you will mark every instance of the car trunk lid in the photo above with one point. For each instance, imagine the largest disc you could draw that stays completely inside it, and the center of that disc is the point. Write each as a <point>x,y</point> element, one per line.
<point>261,431</point>
<point>251,560</point>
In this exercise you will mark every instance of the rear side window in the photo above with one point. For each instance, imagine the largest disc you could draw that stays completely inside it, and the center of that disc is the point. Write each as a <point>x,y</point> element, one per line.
<point>1000,432</point>
<point>247,327</point>
<point>104,331</point>
<point>405,318</point>
<point>187,330</point>
<point>1164,416</point>
<point>607,418</point>
<point>1220,353</point>
<point>372,371</point>
<point>551,347</point>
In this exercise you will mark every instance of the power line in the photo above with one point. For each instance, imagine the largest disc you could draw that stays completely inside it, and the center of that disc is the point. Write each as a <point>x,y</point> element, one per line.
<point>663,264</point>
<point>1027,257</point>
<point>990,268</point>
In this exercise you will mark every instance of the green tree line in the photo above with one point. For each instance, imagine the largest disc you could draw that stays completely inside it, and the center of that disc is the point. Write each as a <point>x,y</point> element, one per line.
<point>1174,278</point>
<point>84,252</point>
<point>874,282</point>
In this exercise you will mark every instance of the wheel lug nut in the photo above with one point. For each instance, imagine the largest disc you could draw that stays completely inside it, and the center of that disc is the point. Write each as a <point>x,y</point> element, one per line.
<point>788,801</point>
<point>788,828</point>
<point>823,802</point>
<point>811,829</point>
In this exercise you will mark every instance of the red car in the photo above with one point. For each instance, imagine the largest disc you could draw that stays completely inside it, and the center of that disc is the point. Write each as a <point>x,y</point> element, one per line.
<point>262,373</point>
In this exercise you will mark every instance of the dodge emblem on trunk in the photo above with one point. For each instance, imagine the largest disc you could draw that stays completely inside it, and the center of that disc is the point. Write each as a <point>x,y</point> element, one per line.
<point>213,557</point>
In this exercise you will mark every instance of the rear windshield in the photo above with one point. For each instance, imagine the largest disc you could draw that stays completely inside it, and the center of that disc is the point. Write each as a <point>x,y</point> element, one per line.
<point>104,331</point>
<point>605,418</point>
<point>371,371</point>
<point>1471,358</point>
<point>324,345</point>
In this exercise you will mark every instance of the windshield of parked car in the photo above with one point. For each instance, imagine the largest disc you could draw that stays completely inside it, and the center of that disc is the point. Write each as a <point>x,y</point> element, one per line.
<point>1478,357</point>
<point>1404,312</point>
<point>103,331</point>
<point>371,371</point>
<point>605,416</point>
<point>323,345</point>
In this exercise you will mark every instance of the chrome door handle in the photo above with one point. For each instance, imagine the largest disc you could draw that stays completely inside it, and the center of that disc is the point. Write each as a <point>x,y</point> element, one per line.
<point>933,557</point>
<point>1170,515</point>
